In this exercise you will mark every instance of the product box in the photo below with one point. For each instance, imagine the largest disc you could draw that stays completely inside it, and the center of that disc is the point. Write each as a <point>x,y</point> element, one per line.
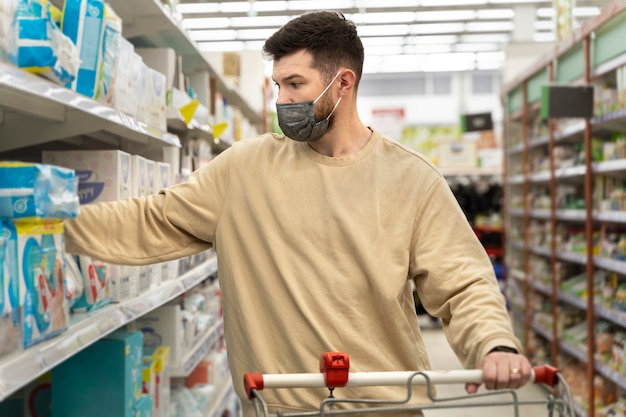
<point>103,380</point>
<point>37,190</point>
<point>139,186</point>
<point>163,327</point>
<point>153,271</point>
<point>83,23</point>
<point>104,175</point>
<point>140,84</point>
<point>161,59</point>
<point>154,99</point>
<point>163,172</point>
<point>10,325</point>
<point>125,99</point>
<point>143,408</point>
<point>40,249</point>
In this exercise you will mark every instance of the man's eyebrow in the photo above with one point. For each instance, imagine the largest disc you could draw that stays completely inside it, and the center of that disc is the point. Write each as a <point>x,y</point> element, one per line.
<point>288,77</point>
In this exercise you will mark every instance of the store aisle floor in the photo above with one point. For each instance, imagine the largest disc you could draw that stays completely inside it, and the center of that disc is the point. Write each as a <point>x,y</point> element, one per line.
<point>442,358</point>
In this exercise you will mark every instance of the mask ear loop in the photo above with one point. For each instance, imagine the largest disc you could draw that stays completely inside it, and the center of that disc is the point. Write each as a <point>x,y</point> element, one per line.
<point>326,89</point>
<point>323,92</point>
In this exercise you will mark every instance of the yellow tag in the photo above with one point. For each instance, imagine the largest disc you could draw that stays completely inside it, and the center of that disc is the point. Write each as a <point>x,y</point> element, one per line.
<point>219,128</point>
<point>188,110</point>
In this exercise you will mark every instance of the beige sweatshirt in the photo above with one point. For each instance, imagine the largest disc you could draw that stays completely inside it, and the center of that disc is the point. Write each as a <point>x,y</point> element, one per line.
<point>316,254</point>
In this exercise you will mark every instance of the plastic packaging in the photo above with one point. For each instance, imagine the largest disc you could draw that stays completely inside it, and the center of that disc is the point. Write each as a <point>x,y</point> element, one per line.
<point>37,190</point>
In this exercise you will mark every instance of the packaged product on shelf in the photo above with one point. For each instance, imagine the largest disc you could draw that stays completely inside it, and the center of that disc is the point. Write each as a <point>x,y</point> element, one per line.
<point>154,99</point>
<point>139,85</point>
<point>161,59</point>
<point>152,277</point>
<point>124,96</point>
<point>83,23</point>
<point>143,407</point>
<point>161,398</point>
<point>163,327</point>
<point>10,333</point>
<point>74,285</point>
<point>37,397</point>
<point>113,368</point>
<point>40,270</point>
<point>36,44</point>
<point>37,190</point>
<point>149,381</point>
<point>104,175</point>
<point>105,87</point>
<point>7,11</point>
<point>96,284</point>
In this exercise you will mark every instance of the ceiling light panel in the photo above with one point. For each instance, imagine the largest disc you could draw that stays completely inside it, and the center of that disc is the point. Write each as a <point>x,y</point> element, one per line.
<point>192,8</point>
<point>434,28</point>
<point>445,15</point>
<point>383,30</point>
<point>204,23</point>
<point>391,17</point>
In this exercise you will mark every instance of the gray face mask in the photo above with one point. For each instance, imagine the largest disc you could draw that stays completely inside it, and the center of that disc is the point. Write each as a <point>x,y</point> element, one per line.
<point>297,120</point>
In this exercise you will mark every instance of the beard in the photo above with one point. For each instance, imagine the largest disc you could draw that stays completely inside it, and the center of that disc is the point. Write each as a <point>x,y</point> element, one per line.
<point>323,108</point>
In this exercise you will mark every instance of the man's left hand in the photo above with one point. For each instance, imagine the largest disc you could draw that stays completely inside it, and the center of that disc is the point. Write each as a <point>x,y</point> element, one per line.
<point>503,370</point>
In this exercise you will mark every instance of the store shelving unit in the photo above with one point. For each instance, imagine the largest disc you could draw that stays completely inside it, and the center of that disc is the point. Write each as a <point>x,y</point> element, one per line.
<point>540,185</point>
<point>85,328</point>
<point>36,113</point>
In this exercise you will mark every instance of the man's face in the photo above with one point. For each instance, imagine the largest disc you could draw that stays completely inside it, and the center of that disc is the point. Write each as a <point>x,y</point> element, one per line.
<point>298,81</point>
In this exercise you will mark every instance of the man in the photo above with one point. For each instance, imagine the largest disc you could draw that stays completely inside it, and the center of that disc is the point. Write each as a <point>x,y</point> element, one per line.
<point>319,233</point>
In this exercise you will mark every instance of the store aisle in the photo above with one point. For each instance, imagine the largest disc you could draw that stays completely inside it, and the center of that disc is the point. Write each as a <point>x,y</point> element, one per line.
<point>442,358</point>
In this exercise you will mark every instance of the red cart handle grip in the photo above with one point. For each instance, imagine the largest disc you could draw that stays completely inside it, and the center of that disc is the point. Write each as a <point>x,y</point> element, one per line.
<point>546,374</point>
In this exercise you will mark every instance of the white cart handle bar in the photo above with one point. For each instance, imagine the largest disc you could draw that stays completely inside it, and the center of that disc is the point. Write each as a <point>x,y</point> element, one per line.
<point>334,372</point>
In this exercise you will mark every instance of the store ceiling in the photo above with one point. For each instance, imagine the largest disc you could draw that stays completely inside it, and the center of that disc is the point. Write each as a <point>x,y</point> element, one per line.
<point>399,35</point>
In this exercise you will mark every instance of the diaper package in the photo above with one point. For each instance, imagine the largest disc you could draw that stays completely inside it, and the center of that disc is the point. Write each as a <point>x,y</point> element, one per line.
<point>96,284</point>
<point>37,190</point>
<point>105,89</point>
<point>35,43</point>
<point>41,276</point>
<point>9,297</point>
<point>83,23</point>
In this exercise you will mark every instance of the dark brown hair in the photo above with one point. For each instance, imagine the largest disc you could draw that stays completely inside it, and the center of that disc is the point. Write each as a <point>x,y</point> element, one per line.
<point>327,35</point>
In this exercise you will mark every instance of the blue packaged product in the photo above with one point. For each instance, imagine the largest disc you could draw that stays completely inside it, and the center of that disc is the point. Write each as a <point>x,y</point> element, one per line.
<point>37,190</point>
<point>37,45</point>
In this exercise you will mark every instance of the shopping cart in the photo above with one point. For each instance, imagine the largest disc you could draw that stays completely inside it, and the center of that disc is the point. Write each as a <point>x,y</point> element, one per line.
<point>335,373</point>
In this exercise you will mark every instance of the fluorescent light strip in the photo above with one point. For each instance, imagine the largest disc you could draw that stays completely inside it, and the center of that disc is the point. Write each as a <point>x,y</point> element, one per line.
<point>446,15</point>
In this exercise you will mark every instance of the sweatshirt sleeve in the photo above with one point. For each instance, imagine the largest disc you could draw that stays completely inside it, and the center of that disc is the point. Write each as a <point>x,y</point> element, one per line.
<point>178,221</point>
<point>455,279</point>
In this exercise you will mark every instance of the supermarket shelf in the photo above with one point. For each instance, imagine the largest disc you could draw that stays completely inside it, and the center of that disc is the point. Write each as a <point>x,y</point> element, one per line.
<point>610,121</point>
<point>62,113</point>
<point>610,264</point>
<point>611,374</point>
<point>615,166</point>
<point>147,23</point>
<point>538,141</point>
<point>571,131</point>
<point>540,213</point>
<point>573,300</point>
<point>519,148</point>
<point>516,179</point>
<point>577,258</point>
<point>541,251</point>
<point>571,215</point>
<point>542,288</point>
<point>540,177</point>
<point>571,172</point>
<point>610,216</point>
<point>199,351</point>
<point>19,369</point>
<point>221,399</point>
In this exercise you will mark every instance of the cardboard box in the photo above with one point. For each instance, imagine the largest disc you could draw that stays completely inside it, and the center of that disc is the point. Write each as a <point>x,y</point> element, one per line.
<point>104,175</point>
<point>161,59</point>
<point>113,368</point>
